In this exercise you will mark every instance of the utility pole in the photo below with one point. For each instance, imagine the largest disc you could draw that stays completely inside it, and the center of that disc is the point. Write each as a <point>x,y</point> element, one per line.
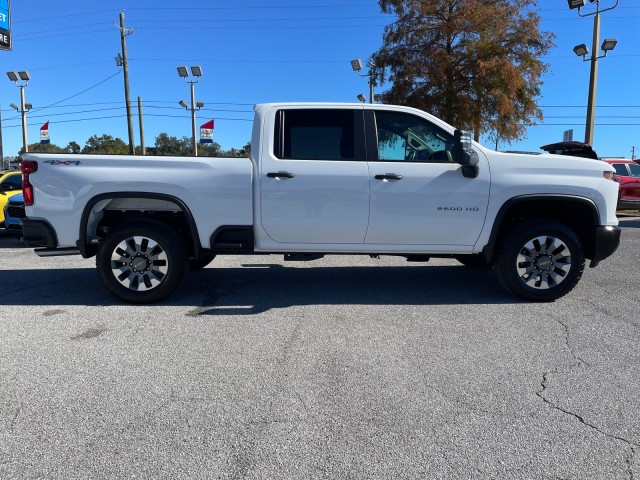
<point>140,121</point>
<point>593,80</point>
<point>125,65</point>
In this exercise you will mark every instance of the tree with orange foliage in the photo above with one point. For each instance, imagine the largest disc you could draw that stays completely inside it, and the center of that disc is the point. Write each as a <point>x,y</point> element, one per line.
<point>474,63</point>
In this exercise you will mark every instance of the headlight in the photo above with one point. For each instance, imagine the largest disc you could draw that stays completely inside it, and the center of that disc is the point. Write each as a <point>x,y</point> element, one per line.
<point>609,175</point>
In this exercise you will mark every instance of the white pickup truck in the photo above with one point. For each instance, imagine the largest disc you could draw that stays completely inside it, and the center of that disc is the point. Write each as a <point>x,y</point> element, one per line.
<point>327,179</point>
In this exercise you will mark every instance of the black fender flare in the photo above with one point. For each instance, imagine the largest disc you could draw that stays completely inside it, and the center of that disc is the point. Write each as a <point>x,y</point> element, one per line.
<point>489,248</point>
<point>82,244</point>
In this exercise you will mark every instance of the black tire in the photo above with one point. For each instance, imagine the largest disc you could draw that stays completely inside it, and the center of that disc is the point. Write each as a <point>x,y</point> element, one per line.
<point>142,262</point>
<point>200,263</point>
<point>540,260</point>
<point>473,261</point>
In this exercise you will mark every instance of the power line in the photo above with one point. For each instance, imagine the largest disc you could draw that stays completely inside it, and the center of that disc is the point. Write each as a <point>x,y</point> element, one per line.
<point>86,119</point>
<point>69,66</point>
<point>79,93</point>
<point>48,19</point>
<point>265,7</point>
<point>182,8</point>
<point>187,28</point>
<point>245,20</point>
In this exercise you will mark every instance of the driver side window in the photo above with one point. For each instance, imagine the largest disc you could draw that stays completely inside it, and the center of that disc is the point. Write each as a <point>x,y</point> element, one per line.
<point>406,138</point>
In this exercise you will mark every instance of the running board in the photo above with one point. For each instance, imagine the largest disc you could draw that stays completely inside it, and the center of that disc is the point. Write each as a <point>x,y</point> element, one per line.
<point>302,257</point>
<point>56,252</point>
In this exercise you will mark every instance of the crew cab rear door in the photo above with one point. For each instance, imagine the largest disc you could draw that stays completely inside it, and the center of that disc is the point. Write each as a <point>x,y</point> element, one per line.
<point>314,181</point>
<point>419,195</point>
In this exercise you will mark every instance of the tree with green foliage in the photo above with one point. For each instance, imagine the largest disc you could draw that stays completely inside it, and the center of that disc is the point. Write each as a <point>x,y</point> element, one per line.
<point>164,145</point>
<point>72,147</point>
<point>106,145</point>
<point>474,63</point>
<point>246,150</point>
<point>167,145</point>
<point>43,148</point>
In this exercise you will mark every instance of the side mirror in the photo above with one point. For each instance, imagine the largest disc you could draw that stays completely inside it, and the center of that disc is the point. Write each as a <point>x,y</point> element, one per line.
<point>464,154</point>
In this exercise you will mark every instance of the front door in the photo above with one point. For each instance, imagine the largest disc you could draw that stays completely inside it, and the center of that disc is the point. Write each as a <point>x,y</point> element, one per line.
<point>418,193</point>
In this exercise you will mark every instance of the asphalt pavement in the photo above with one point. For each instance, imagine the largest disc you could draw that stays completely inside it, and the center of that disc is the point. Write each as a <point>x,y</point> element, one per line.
<point>341,368</point>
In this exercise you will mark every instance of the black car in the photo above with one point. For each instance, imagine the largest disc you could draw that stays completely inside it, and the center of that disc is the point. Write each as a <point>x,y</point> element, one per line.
<point>572,149</point>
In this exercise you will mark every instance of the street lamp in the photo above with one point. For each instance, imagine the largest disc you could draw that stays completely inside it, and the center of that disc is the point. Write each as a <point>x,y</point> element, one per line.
<point>576,4</point>
<point>362,98</point>
<point>196,72</point>
<point>356,65</point>
<point>582,51</point>
<point>21,79</point>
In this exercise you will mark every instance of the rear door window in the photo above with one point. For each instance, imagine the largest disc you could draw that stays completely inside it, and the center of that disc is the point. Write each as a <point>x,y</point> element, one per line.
<point>315,134</point>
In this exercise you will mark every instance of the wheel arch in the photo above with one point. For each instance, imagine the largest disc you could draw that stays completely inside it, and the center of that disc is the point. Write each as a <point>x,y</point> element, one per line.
<point>579,213</point>
<point>121,206</point>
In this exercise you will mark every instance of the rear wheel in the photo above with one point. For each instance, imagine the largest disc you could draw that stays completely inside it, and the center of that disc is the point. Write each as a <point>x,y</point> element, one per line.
<point>540,260</point>
<point>142,262</point>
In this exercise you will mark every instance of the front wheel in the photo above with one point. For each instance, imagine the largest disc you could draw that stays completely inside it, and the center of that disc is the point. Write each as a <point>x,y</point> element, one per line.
<point>142,262</point>
<point>540,260</point>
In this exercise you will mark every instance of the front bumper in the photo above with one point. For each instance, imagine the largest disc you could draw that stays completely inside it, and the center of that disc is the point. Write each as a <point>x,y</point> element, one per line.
<point>607,242</point>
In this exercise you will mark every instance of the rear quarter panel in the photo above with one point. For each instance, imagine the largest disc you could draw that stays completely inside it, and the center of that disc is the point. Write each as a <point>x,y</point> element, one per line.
<point>217,191</point>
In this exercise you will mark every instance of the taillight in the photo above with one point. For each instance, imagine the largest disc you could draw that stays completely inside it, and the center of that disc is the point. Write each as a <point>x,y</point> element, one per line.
<point>28,167</point>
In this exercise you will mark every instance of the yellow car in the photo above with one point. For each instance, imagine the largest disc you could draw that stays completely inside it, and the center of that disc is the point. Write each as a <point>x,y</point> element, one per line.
<point>10,185</point>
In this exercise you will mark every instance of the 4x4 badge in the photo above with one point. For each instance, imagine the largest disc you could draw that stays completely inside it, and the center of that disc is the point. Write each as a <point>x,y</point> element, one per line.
<point>63,162</point>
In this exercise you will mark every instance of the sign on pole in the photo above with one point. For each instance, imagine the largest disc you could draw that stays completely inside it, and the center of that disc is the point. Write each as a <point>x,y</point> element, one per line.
<point>44,133</point>
<point>567,136</point>
<point>206,132</point>
<point>5,25</point>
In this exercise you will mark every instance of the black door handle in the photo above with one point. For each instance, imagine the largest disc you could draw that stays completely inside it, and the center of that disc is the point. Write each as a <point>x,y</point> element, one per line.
<point>280,175</point>
<point>388,176</point>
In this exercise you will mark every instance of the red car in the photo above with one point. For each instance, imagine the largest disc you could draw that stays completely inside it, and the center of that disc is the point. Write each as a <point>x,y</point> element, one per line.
<point>628,176</point>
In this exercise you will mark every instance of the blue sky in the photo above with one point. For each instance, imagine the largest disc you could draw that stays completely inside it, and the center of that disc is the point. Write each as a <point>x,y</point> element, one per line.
<point>255,51</point>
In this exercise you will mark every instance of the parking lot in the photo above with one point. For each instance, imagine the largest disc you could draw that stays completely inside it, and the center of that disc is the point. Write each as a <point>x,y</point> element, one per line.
<point>342,368</point>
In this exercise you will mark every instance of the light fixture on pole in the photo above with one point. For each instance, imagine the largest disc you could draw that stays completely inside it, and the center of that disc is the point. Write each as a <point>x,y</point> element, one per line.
<point>582,51</point>
<point>576,4</point>
<point>362,98</point>
<point>196,72</point>
<point>356,65</point>
<point>21,79</point>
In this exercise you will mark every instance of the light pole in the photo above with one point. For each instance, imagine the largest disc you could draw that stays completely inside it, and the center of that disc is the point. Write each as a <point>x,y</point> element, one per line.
<point>196,72</point>
<point>582,51</point>
<point>23,77</point>
<point>357,67</point>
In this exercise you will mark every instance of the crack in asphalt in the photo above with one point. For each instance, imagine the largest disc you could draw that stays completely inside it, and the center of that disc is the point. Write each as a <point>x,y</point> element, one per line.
<point>567,342</point>
<point>630,463</point>
<point>15,418</point>
<point>609,313</point>
<point>580,362</point>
